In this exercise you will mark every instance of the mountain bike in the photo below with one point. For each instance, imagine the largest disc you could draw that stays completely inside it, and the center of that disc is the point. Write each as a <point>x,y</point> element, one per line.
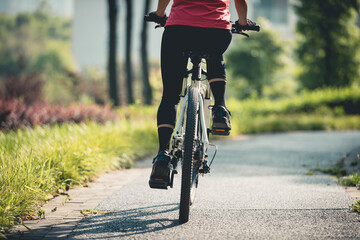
<point>190,141</point>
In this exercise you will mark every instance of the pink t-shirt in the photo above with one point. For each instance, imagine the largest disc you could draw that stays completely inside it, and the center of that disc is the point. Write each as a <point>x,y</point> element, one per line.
<point>200,13</point>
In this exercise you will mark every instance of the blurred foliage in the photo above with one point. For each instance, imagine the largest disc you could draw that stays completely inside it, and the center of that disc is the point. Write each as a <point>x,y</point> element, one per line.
<point>15,114</point>
<point>35,49</point>
<point>340,100</point>
<point>13,88</point>
<point>325,109</point>
<point>328,43</point>
<point>38,41</point>
<point>253,62</point>
<point>92,86</point>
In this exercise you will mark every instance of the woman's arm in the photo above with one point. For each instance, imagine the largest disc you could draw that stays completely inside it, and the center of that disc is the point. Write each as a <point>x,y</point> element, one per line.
<point>241,9</point>
<point>162,4</point>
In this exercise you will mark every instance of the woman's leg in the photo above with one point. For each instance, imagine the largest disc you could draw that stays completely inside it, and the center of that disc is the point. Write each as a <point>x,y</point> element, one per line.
<point>217,79</point>
<point>215,42</point>
<point>173,66</point>
<point>218,86</point>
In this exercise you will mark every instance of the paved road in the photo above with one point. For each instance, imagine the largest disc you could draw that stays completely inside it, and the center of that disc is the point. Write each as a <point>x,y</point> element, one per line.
<point>258,189</point>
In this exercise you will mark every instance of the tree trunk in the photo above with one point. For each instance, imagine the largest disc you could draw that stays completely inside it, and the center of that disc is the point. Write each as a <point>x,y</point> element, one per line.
<point>112,64</point>
<point>147,91</point>
<point>128,58</point>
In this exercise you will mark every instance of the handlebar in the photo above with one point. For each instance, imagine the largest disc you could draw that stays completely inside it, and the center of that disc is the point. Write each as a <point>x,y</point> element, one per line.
<point>246,28</point>
<point>236,27</point>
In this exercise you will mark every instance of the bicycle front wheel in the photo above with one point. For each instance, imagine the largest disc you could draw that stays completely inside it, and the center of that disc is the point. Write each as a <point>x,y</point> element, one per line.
<point>187,178</point>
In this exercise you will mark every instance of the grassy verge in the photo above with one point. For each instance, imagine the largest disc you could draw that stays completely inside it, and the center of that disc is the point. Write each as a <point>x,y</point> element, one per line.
<point>333,100</point>
<point>292,122</point>
<point>36,163</point>
<point>352,180</point>
<point>346,172</point>
<point>355,207</point>
<point>329,109</point>
<point>341,171</point>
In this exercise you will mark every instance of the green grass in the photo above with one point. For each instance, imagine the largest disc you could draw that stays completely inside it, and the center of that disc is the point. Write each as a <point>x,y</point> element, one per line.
<point>293,122</point>
<point>352,180</point>
<point>35,163</point>
<point>318,110</point>
<point>334,171</point>
<point>310,173</point>
<point>87,212</point>
<point>333,100</point>
<point>355,207</point>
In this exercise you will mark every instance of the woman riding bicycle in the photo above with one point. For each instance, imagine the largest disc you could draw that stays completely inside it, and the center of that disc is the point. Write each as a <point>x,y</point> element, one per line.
<point>193,25</point>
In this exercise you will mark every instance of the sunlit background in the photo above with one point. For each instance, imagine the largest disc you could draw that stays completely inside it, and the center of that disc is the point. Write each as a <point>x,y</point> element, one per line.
<point>90,26</point>
<point>60,49</point>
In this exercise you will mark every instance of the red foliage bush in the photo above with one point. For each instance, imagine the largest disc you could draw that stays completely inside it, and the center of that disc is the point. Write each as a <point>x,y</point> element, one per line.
<point>14,114</point>
<point>27,87</point>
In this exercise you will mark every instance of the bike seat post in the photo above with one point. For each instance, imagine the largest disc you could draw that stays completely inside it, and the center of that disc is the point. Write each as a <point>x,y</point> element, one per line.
<point>196,70</point>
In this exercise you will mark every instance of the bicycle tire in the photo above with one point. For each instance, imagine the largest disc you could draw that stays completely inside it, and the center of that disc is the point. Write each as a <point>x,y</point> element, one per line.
<point>196,161</point>
<point>189,150</point>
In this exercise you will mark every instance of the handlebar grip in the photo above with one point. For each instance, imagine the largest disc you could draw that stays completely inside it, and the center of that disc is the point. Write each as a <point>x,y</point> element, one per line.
<point>252,28</point>
<point>152,17</point>
<point>147,18</point>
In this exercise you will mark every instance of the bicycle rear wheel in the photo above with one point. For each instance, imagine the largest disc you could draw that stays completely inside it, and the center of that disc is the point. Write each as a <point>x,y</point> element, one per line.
<point>188,184</point>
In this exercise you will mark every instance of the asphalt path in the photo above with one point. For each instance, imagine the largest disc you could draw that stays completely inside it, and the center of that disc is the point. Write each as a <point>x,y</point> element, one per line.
<point>257,189</point>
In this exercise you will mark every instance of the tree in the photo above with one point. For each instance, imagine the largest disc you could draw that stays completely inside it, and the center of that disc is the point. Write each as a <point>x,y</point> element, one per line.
<point>255,60</point>
<point>128,58</point>
<point>147,91</point>
<point>329,42</point>
<point>112,65</point>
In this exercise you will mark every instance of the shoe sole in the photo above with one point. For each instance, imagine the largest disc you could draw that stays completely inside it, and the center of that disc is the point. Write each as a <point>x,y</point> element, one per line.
<point>220,131</point>
<point>220,127</point>
<point>158,184</point>
<point>161,179</point>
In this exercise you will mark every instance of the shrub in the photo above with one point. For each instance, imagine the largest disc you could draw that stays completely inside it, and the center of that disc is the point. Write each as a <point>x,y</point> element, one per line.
<point>337,100</point>
<point>16,114</point>
<point>14,87</point>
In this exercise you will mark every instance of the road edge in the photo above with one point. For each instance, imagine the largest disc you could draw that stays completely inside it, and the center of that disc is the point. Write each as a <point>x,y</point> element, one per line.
<point>63,213</point>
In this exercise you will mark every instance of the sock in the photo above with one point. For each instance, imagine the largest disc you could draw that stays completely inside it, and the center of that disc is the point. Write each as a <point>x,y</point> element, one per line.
<point>164,134</point>
<point>218,90</point>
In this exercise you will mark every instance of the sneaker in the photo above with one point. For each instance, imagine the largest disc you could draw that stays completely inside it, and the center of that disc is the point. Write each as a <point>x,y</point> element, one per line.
<point>160,174</point>
<point>221,121</point>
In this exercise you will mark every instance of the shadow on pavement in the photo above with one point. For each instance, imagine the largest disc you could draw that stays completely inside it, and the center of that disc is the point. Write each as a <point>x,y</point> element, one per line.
<point>127,223</point>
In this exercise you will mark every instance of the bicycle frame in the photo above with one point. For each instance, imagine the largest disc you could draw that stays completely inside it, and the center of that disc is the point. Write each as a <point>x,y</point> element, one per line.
<point>179,131</point>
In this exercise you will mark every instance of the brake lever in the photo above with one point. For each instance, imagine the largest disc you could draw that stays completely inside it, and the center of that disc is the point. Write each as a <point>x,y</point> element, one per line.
<point>244,34</point>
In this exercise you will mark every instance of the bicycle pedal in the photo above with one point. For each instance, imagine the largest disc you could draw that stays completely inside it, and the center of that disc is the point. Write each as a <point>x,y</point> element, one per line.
<point>220,131</point>
<point>204,170</point>
<point>158,183</point>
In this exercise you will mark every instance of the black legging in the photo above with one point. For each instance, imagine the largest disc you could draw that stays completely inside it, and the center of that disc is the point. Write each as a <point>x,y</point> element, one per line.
<point>177,40</point>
